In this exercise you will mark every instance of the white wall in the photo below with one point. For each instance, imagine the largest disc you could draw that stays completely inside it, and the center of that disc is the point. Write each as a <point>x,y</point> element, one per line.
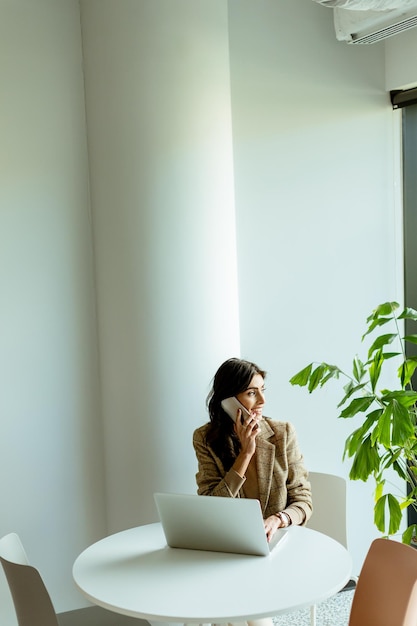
<point>317,225</point>
<point>160,146</point>
<point>400,55</point>
<point>50,435</point>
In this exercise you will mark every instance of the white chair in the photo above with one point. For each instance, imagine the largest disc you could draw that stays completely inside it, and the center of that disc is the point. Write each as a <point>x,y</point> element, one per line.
<point>329,512</point>
<point>31,599</point>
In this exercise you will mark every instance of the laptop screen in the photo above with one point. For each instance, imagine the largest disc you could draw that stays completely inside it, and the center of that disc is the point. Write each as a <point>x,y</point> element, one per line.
<point>214,523</point>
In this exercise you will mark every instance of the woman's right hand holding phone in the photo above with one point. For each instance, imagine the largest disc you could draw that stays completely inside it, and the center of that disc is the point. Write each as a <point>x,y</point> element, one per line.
<point>246,428</point>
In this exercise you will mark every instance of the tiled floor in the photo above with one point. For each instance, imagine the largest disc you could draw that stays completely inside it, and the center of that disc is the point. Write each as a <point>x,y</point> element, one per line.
<point>332,612</point>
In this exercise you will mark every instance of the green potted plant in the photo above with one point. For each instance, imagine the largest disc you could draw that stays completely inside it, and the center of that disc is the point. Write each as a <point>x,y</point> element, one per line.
<point>386,439</point>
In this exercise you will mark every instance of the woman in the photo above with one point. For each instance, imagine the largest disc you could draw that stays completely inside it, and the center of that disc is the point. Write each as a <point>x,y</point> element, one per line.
<point>252,457</point>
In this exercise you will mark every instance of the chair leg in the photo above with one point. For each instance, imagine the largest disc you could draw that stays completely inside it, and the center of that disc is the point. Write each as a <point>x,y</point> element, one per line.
<point>313,615</point>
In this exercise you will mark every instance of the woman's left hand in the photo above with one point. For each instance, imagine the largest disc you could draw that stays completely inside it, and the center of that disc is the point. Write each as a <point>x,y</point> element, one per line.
<point>272,523</point>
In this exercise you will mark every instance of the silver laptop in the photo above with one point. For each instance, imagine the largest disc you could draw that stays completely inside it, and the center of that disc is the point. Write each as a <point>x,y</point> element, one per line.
<point>214,523</point>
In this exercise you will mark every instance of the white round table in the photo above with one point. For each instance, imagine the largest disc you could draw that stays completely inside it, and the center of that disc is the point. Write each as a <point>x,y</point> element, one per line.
<point>135,573</point>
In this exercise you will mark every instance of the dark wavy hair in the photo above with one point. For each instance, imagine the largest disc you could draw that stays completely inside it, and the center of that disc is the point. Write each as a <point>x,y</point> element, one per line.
<point>232,377</point>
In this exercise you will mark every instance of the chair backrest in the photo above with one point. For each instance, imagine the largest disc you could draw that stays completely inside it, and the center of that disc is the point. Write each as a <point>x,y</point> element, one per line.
<point>31,599</point>
<point>329,505</point>
<point>386,592</point>
<point>11,548</point>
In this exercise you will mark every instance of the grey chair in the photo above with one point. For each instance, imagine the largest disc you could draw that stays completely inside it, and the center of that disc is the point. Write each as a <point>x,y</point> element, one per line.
<point>32,601</point>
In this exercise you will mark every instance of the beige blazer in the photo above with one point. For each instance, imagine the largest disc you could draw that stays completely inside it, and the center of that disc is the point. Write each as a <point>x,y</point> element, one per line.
<point>282,478</point>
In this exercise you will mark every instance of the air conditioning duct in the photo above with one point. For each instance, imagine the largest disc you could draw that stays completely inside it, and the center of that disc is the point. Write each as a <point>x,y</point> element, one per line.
<point>370,21</point>
<point>368,5</point>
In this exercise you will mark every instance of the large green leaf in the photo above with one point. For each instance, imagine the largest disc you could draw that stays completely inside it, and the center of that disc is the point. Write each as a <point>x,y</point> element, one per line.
<point>410,338</point>
<point>375,368</point>
<point>379,489</point>
<point>406,370</point>
<point>408,314</point>
<point>409,533</point>
<point>358,369</point>
<point>380,321</point>
<point>379,315</point>
<point>394,511</point>
<point>387,308</point>
<point>373,416</point>
<point>366,461</point>
<point>394,459</point>
<point>355,439</point>
<point>390,355</point>
<point>332,372</point>
<point>382,431</point>
<point>402,427</point>
<point>301,378</point>
<point>406,397</point>
<point>381,341</point>
<point>350,389</point>
<point>400,471</point>
<point>316,376</point>
<point>358,405</point>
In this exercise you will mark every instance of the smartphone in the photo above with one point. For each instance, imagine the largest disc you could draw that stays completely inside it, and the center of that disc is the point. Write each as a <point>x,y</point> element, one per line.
<point>231,405</point>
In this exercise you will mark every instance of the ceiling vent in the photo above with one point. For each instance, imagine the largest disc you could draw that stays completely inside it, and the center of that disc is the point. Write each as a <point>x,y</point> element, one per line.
<point>370,21</point>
